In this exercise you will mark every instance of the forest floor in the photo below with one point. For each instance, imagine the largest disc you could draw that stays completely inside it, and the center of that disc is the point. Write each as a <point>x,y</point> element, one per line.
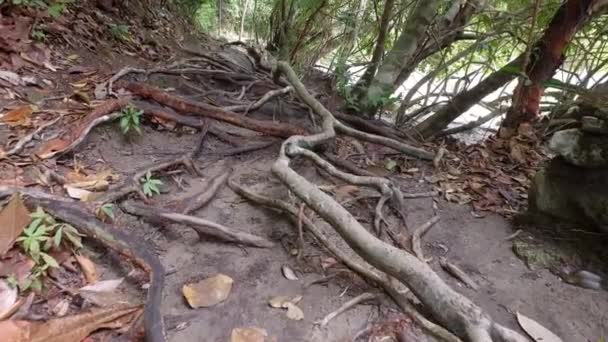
<point>472,233</point>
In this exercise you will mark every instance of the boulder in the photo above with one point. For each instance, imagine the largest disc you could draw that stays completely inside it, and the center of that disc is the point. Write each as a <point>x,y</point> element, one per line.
<point>570,193</point>
<point>580,148</point>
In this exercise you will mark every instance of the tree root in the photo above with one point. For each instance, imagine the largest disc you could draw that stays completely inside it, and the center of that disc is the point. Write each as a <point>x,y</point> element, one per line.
<point>202,226</point>
<point>199,200</point>
<point>19,145</point>
<point>259,103</point>
<point>191,107</point>
<point>417,236</point>
<point>359,299</point>
<point>113,238</point>
<point>458,273</point>
<point>455,311</point>
<point>394,289</point>
<point>75,134</point>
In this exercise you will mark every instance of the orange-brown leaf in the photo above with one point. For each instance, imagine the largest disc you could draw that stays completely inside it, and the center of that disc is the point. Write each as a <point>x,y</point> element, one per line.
<point>19,116</point>
<point>13,219</point>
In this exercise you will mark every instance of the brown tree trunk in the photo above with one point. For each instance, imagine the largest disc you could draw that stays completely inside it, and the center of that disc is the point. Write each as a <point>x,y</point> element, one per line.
<point>467,99</point>
<point>547,55</point>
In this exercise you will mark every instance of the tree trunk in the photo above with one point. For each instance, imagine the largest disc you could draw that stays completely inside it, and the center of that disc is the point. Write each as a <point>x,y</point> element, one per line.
<point>351,33</point>
<point>243,15</point>
<point>412,37</point>
<point>369,73</point>
<point>547,55</point>
<point>467,99</point>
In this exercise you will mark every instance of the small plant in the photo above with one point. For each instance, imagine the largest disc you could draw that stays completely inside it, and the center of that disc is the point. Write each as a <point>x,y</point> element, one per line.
<point>130,119</point>
<point>40,236</point>
<point>56,9</point>
<point>105,211</point>
<point>38,35</point>
<point>150,185</point>
<point>120,31</point>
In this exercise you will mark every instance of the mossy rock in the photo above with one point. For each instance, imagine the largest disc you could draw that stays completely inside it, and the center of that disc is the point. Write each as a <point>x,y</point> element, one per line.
<point>537,256</point>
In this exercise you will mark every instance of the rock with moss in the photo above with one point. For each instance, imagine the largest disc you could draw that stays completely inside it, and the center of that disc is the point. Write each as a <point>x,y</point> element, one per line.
<point>569,193</point>
<point>580,148</point>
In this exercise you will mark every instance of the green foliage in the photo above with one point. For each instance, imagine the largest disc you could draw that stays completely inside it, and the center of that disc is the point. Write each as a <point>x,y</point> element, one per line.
<point>150,185</point>
<point>38,35</point>
<point>130,119</point>
<point>206,16</point>
<point>55,9</point>
<point>43,234</point>
<point>120,32</point>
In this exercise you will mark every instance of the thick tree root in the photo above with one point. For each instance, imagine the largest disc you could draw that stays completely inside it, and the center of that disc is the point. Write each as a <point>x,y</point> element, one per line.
<point>198,108</point>
<point>110,237</point>
<point>453,310</point>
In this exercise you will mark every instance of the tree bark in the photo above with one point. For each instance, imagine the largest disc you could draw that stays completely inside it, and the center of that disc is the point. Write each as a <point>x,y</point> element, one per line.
<point>546,57</point>
<point>412,37</point>
<point>369,73</point>
<point>467,99</point>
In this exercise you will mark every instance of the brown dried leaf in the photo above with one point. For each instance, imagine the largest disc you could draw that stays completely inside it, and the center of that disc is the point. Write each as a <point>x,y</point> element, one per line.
<point>8,298</point>
<point>13,219</point>
<point>15,331</point>
<point>89,268</point>
<point>248,335</point>
<point>208,292</point>
<point>76,328</point>
<point>293,311</point>
<point>19,116</point>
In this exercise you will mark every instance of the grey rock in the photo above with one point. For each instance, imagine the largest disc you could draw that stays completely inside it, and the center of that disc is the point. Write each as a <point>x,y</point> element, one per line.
<point>580,149</point>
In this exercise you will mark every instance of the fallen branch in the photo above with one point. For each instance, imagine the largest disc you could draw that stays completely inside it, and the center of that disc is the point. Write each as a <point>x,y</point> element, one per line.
<point>417,236</point>
<point>75,134</point>
<point>457,273</point>
<point>359,299</point>
<point>192,107</point>
<point>112,238</point>
<point>455,311</point>
<point>395,290</point>
<point>201,226</point>
<point>472,124</point>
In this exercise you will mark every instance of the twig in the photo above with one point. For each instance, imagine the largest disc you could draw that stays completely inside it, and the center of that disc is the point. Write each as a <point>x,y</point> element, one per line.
<point>202,226</point>
<point>359,299</point>
<point>458,273</point>
<point>301,231</point>
<point>417,236</point>
<point>322,280</point>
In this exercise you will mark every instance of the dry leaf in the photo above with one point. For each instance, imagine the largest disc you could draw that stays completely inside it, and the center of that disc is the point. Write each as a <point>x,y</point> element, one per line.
<point>14,217</point>
<point>208,292</point>
<point>536,331</point>
<point>293,311</point>
<point>19,116</point>
<point>8,298</point>
<point>76,328</point>
<point>77,193</point>
<point>61,309</point>
<point>248,335</point>
<point>88,268</point>
<point>91,185</point>
<point>103,286</point>
<point>277,302</point>
<point>11,77</point>
<point>105,299</point>
<point>289,273</point>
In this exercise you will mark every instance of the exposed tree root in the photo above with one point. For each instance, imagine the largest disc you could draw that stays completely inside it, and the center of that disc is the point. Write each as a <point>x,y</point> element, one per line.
<point>259,103</point>
<point>395,290</point>
<point>110,237</point>
<point>453,310</point>
<point>199,200</point>
<point>417,236</point>
<point>202,226</point>
<point>19,145</point>
<point>75,134</point>
<point>458,273</point>
<point>191,107</point>
<point>354,301</point>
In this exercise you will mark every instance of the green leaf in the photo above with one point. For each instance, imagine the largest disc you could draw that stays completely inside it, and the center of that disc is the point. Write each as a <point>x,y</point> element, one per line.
<point>108,210</point>
<point>74,239</point>
<point>56,9</point>
<point>49,260</point>
<point>390,165</point>
<point>57,237</point>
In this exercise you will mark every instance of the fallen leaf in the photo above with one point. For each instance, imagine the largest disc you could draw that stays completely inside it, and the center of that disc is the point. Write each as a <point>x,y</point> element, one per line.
<point>11,77</point>
<point>293,311</point>
<point>208,292</point>
<point>288,273</point>
<point>76,193</point>
<point>19,116</point>
<point>8,298</point>
<point>19,268</point>
<point>536,331</point>
<point>61,309</point>
<point>105,299</point>
<point>328,262</point>
<point>277,302</point>
<point>88,267</point>
<point>103,286</point>
<point>76,328</point>
<point>91,185</point>
<point>14,217</point>
<point>248,335</point>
